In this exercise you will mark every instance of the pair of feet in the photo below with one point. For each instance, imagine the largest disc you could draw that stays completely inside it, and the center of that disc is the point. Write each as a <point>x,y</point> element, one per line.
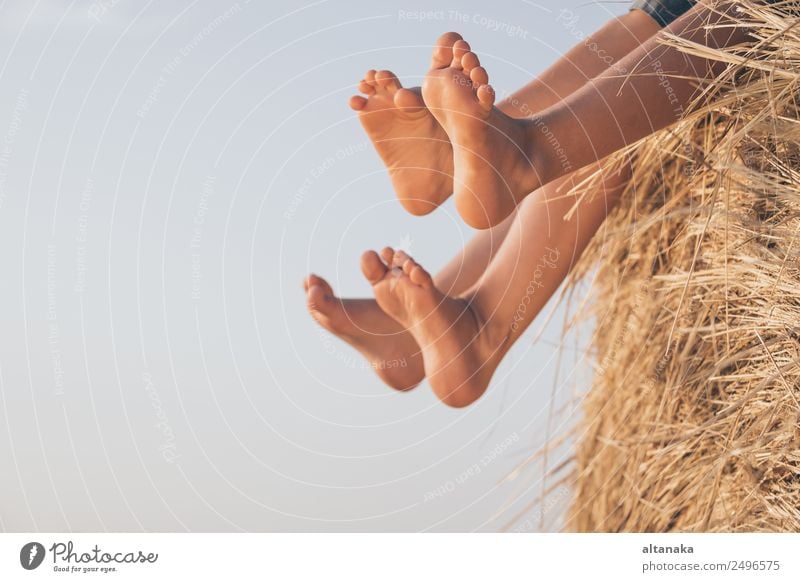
<point>441,139</point>
<point>447,137</point>
<point>412,322</point>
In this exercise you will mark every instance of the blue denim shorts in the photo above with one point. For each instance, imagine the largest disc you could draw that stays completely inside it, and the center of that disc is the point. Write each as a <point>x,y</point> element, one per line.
<point>665,11</point>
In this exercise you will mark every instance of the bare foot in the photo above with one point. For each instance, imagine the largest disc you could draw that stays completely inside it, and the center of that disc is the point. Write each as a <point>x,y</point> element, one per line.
<point>493,171</point>
<point>459,351</point>
<point>387,346</point>
<point>410,141</point>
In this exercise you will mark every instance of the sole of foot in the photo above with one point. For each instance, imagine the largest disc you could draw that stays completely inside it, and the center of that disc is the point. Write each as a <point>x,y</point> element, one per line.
<point>492,168</point>
<point>459,353</point>
<point>390,350</point>
<point>409,140</point>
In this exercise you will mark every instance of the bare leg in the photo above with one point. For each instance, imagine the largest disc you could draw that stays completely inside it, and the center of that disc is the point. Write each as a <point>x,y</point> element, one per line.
<point>416,149</point>
<point>499,159</point>
<point>464,338</point>
<point>361,322</point>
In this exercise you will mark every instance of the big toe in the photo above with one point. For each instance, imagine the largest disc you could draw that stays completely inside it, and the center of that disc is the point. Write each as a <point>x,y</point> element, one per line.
<point>443,51</point>
<point>408,100</point>
<point>372,267</point>
<point>320,300</point>
<point>317,281</point>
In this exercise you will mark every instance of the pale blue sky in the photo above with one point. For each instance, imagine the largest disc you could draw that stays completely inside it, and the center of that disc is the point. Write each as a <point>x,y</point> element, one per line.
<point>163,191</point>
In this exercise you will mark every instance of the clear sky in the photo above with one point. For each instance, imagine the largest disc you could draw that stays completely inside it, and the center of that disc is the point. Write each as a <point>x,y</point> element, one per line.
<point>169,172</point>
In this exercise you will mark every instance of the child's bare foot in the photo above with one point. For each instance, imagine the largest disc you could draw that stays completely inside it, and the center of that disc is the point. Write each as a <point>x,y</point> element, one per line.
<point>493,170</point>
<point>410,141</point>
<point>387,346</point>
<point>459,351</point>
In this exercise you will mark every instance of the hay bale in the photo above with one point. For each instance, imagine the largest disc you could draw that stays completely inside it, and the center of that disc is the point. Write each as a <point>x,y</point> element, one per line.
<point>693,420</point>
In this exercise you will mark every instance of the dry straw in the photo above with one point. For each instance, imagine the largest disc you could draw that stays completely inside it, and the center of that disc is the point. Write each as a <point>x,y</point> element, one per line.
<point>693,421</point>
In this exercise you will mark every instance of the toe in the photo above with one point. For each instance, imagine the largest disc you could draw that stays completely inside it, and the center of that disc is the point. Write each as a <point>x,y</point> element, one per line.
<point>400,257</point>
<point>387,80</point>
<point>469,61</point>
<point>319,295</point>
<point>357,102</point>
<point>479,76</point>
<point>443,52</point>
<point>316,281</point>
<point>408,100</point>
<point>486,96</point>
<point>369,77</point>
<point>460,48</point>
<point>387,254</point>
<point>408,266</point>
<point>372,267</point>
<point>420,276</point>
<point>366,88</point>
<point>318,300</point>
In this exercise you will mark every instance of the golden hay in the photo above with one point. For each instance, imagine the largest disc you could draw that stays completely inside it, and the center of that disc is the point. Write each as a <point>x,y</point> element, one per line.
<point>693,421</point>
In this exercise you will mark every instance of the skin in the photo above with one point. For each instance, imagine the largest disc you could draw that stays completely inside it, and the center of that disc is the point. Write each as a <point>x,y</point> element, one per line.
<point>498,159</point>
<point>463,338</point>
<point>362,322</point>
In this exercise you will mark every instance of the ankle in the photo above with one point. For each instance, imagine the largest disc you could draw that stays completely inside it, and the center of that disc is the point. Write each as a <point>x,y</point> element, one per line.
<point>489,326</point>
<point>547,154</point>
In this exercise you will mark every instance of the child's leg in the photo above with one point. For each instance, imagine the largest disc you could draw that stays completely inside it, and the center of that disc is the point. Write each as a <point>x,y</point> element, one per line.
<point>463,339</point>
<point>498,160</point>
<point>361,322</point>
<point>609,113</point>
<point>412,143</point>
<point>389,348</point>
